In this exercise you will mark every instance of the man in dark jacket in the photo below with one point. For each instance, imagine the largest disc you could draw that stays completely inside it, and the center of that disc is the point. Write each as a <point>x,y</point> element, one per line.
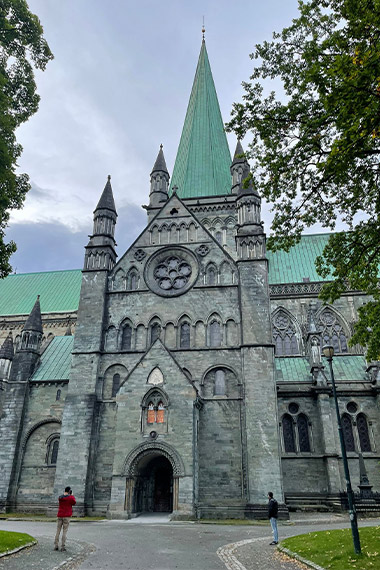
<point>272,515</point>
<point>65,511</point>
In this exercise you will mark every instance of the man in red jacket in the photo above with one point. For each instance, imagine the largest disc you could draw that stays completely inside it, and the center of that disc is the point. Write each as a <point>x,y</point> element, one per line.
<point>65,511</point>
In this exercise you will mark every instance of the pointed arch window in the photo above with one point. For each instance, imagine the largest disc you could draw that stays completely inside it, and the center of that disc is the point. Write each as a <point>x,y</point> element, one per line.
<point>348,433</point>
<point>115,384</point>
<point>58,395</point>
<point>155,332</point>
<point>52,450</point>
<point>303,433</point>
<point>126,337</point>
<point>332,331</point>
<point>284,335</point>
<point>363,433</point>
<point>215,334</point>
<point>132,280</point>
<point>184,336</point>
<point>155,405</point>
<point>288,434</point>
<point>211,275</point>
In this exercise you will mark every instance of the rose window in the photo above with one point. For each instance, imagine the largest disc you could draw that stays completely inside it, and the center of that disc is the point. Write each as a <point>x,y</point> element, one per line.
<point>172,273</point>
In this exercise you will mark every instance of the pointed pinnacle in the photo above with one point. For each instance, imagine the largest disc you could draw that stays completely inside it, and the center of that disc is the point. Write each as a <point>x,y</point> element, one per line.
<point>106,201</point>
<point>239,155</point>
<point>34,321</point>
<point>7,349</point>
<point>160,164</point>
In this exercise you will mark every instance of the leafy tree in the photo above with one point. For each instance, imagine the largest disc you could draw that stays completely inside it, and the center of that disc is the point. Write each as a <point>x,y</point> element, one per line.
<point>22,48</point>
<point>315,150</point>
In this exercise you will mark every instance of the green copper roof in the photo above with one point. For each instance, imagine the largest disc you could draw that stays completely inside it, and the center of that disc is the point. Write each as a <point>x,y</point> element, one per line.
<point>202,166</point>
<point>299,263</point>
<point>55,361</point>
<point>297,368</point>
<point>58,290</point>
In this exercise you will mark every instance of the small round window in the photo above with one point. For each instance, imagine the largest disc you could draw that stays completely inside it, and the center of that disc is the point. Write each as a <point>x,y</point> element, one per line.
<point>352,407</point>
<point>293,408</point>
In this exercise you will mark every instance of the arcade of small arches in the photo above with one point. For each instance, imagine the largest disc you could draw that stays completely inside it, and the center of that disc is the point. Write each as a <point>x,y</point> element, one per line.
<point>210,274</point>
<point>215,333</point>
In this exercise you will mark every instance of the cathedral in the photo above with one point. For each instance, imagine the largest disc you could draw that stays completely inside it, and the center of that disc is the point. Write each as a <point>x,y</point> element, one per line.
<point>185,375</point>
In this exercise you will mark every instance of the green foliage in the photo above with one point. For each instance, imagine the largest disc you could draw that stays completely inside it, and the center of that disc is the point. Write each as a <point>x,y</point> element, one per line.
<point>22,48</point>
<point>334,549</point>
<point>12,540</point>
<point>315,151</point>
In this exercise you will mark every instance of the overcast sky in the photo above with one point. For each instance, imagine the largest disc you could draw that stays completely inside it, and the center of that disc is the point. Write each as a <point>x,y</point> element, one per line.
<point>118,87</point>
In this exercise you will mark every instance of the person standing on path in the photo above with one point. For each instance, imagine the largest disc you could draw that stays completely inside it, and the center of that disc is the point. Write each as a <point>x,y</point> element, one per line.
<point>272,515</point>
<point>65,511</point>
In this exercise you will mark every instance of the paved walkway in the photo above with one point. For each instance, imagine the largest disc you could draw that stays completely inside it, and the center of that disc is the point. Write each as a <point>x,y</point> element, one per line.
<point>162,545</point>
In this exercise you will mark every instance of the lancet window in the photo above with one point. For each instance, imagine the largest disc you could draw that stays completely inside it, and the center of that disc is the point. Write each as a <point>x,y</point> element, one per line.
<point>126,337</point>
<point>52,451</point>
<point>184,338</point>
<point>115,384</point>
<point>296,431</point>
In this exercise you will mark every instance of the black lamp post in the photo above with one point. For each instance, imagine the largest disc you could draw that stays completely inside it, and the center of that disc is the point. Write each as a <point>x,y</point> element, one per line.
<point>328,351</point>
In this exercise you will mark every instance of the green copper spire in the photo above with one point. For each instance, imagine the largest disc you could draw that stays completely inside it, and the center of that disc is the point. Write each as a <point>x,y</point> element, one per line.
<point>202,166</point>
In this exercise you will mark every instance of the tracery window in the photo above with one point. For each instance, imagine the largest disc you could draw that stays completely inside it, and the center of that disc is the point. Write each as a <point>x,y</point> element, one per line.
<point>288,434</point>
<point>126,338</point>
<point>284,335</point>
<point>155,408</point>
<point>52,451</point>
<point>348,433</point>
<point>115,384</point>
<point>332,331</point>
<point>184,336</point>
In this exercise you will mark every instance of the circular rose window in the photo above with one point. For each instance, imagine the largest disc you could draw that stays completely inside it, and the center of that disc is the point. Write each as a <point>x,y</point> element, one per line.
<point>171,271</point>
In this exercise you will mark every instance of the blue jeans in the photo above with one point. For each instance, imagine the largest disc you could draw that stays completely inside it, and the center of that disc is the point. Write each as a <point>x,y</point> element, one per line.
<point>273,524</point>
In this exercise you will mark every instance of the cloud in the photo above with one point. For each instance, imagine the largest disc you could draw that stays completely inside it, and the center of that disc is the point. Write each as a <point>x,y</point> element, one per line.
<point>50,246</point>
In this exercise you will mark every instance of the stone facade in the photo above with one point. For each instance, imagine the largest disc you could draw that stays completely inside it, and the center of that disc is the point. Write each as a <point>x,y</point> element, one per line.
<point>194,384</point>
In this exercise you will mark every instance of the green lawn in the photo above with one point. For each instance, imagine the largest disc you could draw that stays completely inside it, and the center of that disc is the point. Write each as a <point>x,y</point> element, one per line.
<point>333,549</point>
<point>12,540</point>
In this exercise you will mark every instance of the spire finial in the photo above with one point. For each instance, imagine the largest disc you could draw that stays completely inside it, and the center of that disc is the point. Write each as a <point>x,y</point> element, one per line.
<point>203,29</point>
<point>161,146</point>
<point>109,177</point>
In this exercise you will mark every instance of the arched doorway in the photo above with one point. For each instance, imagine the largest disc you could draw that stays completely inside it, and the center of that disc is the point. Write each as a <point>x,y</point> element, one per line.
<point>154,485</point>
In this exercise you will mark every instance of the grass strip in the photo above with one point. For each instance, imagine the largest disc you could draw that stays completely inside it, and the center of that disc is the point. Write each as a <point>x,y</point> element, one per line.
<point>334,550</point>
<point>12,540</point>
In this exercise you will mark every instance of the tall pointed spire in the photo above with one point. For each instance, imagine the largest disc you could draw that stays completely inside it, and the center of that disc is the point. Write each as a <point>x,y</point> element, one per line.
<point>202,166</point>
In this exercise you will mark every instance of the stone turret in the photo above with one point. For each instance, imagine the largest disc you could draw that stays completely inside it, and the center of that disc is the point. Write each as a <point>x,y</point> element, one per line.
<point>238,168</point>
<point>100,250</point>
<point>159,182</point>
<point>15,394</point>
<point>263,451</point>
<point>6,357</point>
<point>250,237</point>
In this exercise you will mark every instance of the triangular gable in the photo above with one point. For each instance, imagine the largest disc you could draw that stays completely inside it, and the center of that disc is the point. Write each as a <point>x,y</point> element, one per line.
<point>173,211</point>
<point>158,356</point>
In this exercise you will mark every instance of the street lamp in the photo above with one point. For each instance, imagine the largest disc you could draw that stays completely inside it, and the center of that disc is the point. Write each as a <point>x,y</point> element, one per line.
<point>328,351</point>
